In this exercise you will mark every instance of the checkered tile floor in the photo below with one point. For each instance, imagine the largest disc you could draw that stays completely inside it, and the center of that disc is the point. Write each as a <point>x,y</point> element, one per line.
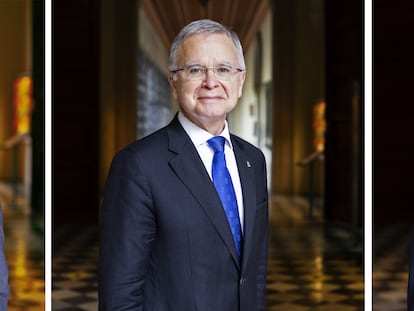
<point>24,250</point>
<point>74,268</point>
<point>311,266</point>
<point>390,273</point>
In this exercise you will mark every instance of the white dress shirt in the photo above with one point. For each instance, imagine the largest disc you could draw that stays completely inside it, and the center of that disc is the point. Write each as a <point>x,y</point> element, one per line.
<point>199,137</point>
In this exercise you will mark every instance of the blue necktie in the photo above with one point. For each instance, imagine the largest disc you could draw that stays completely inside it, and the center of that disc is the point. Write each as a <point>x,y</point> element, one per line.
<point>224,186</point>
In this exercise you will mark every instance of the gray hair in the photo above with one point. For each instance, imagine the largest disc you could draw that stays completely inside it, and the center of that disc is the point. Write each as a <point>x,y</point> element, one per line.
<point>204,26</point>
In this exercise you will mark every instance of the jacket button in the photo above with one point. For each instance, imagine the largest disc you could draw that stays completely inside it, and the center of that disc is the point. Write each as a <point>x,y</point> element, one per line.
<point>243,281</point>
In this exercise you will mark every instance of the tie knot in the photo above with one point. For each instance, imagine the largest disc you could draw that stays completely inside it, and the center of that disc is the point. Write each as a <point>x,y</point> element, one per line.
<point>217,143</point>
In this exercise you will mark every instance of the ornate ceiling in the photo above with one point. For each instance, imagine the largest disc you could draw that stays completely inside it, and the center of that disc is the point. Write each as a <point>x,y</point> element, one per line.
<point>243,16</point>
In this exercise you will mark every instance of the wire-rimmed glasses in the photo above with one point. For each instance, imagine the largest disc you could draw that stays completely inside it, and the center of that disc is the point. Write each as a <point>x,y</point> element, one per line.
<point>198,72</point>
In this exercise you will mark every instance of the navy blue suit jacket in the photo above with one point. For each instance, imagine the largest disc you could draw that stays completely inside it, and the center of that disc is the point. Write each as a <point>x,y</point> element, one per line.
<point>4,285</point>
<point>165,241</point>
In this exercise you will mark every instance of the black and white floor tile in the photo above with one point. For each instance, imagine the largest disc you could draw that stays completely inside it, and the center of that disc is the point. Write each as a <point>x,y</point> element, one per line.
<point>311,266</point>
<point>24,251</point>
<point>390,267</point>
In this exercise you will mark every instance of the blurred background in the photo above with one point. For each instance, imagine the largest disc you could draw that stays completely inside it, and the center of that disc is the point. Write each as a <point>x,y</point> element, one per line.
<point>22,149</point>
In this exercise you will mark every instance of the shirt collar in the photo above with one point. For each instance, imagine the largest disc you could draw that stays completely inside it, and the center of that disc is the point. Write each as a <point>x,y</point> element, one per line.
<point>200,136</point>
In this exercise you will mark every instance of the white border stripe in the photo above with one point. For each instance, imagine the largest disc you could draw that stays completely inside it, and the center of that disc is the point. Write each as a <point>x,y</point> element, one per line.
<point>368,156</point>
<point>48,154</point>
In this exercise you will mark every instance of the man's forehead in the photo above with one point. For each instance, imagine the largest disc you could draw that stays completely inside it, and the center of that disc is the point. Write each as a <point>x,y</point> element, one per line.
<point>196,43</point>
<point>223,37</point>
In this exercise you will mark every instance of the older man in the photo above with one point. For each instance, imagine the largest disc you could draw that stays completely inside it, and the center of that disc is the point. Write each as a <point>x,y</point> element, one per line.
<point>185,212</point>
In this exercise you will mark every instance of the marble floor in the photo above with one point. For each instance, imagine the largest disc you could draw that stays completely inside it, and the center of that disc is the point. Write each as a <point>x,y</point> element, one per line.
<point>313,266</point>
<point>390,266</point>
<point>24,250</point>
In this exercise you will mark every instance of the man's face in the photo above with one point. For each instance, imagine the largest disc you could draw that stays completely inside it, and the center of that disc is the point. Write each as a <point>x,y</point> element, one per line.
<point>207,101</point>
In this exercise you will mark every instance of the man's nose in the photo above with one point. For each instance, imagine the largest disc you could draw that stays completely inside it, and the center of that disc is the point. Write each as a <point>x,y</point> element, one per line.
<point>210,80</point>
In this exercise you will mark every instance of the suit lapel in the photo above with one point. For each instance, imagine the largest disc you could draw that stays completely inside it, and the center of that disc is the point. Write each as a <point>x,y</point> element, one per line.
<point>247,179</point>
<point>188,166</point>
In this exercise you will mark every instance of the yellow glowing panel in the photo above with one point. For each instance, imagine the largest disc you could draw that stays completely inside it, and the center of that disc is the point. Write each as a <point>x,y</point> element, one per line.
<point>319,126</point>
<point>23,104</point>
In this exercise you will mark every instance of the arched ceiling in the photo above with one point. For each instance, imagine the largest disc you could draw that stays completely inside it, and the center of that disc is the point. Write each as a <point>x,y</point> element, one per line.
<point>243,16</point>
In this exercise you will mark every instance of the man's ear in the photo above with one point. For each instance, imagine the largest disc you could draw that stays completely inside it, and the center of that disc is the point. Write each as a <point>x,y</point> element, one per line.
<point>172,82</point>
<point>242,78</point>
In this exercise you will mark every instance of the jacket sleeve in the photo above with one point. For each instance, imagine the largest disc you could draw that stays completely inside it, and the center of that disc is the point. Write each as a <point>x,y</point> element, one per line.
<point>4,285</point>
<point>126,236</point>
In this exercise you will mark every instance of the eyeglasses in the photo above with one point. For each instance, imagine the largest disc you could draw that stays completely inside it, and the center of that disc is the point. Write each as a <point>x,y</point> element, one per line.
<point>198,72</point>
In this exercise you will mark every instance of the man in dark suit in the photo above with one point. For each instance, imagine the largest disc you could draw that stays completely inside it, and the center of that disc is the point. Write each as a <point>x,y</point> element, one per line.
<point>4,285</point>
<point>169,240</point>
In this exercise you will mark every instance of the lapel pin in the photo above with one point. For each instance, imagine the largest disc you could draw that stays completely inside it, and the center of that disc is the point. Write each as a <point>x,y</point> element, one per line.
<point>248,164</point>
